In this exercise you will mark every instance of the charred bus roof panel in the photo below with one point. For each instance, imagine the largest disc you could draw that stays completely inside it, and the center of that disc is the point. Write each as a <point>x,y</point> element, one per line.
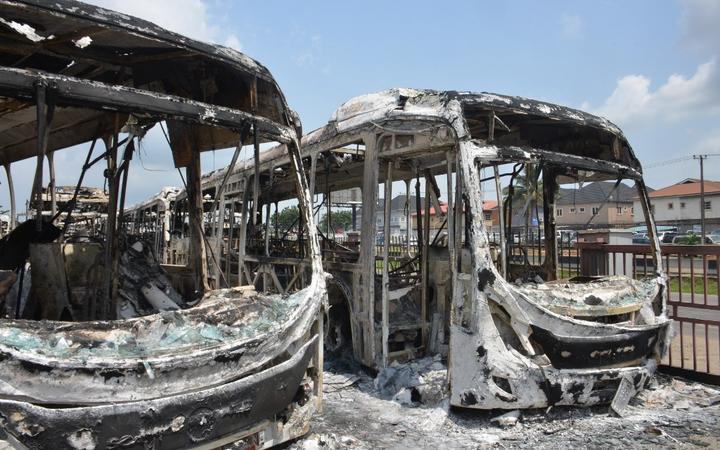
<point>518,122</point>
<point>79,43</point>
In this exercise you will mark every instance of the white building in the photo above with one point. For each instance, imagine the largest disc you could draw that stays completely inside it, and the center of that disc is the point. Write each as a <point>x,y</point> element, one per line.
<point>679,205</point>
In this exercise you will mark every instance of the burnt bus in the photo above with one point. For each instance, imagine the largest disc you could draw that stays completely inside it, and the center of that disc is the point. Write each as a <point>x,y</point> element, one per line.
<point>101,347</point>
<point>440,268</point>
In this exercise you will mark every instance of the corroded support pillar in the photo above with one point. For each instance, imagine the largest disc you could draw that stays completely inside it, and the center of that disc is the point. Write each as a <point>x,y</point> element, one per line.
<point>198,258</point>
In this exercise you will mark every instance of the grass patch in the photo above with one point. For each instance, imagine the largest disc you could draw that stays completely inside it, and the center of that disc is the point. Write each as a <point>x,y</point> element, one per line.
<point>712,287</point>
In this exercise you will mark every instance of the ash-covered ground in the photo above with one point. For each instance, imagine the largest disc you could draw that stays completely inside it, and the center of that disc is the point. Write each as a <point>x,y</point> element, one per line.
<point>406,407</point>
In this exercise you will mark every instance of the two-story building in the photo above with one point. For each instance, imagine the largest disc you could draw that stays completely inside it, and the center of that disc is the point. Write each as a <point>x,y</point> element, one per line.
<point>679,204</point>
<point>595,205</point>
<point>437,221</point>
<point>399,206</point>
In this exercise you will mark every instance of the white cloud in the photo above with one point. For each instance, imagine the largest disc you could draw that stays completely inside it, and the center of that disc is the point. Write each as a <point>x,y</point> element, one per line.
<point>700,24</point>
<point>232,41</point>
<point>634,102</point>
<point>187,17</point>
<point>571,24</point>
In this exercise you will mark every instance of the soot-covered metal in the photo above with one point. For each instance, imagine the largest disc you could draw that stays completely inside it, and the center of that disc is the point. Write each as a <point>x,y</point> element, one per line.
<point>145,363</point>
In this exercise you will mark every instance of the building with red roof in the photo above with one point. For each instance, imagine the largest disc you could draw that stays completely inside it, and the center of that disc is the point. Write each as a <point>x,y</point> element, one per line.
<point>679,205</point>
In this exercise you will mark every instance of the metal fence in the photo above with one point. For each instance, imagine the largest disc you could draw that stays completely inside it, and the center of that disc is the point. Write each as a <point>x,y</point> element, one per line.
<point>693,298</point>
<point>532,248</point>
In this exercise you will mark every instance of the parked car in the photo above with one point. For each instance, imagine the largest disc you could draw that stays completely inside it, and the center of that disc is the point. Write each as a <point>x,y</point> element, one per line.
<point>640,238</point>
<point>667,237</point>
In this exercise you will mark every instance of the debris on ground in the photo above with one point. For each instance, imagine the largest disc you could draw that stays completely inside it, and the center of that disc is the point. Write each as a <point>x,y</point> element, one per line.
<point>369,412</point>
<point>422,381</point>
<point>334,382</point>
<point>509,419</point>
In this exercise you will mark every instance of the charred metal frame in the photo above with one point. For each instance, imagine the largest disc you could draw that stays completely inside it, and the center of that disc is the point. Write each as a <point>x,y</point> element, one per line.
<point>218,389</point>
<point>21,83</point>
<point>404,134</point>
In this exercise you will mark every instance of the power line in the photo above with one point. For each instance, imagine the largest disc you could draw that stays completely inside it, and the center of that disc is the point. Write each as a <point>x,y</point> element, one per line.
<point>677,160</point>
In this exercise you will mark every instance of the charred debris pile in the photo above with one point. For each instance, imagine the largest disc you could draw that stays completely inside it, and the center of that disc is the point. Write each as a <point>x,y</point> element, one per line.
<point>72,284</point>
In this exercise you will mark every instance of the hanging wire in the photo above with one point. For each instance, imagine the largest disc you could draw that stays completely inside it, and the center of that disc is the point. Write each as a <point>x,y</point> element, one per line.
<point>676,160</point>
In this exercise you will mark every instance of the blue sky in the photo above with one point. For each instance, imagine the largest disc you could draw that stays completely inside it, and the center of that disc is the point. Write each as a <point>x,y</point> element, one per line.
<point>650,66</point>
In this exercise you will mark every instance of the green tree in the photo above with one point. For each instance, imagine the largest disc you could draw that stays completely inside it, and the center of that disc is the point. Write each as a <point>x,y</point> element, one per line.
<point>691,239</point>
<point>339,219</point>
<point>287,218</point>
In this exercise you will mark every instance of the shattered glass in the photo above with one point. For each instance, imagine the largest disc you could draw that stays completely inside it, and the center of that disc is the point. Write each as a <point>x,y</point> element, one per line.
<point>224,315</point>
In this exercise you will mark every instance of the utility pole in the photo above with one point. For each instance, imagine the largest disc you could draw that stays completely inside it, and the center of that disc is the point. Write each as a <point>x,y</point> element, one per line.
<point>702,158</point>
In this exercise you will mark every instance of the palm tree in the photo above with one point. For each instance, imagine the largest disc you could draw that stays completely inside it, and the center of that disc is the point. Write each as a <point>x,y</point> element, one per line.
<point>528,193</point>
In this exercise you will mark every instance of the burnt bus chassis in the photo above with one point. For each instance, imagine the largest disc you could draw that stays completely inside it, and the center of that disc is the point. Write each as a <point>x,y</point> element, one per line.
<point>234,411</point>
<point>268,405</point>
<point>570,361</point>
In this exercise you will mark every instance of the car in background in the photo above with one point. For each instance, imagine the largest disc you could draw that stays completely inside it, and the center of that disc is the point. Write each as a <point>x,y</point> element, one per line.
<point>667,237</point>
<point>640,238</point>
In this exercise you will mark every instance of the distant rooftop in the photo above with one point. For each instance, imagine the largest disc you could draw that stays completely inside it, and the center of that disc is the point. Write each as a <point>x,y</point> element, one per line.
<point>487,206</point>
<point>597,192</point>
<point>686,187</point>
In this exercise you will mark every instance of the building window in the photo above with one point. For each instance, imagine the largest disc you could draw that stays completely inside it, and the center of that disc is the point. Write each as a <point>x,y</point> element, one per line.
<point>582,210</point>
<point>558,212</point>
<point>572,210</point>
<point>595,210</point>
<point>670,205</point>
<point>682,205</point>
<point>632,210</point>
<point>708,206</point>
<point>488,215</point>
<point>619,210</point>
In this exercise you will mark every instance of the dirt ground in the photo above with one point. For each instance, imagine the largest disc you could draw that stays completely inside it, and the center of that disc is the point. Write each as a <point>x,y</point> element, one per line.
<point>672,412</point>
